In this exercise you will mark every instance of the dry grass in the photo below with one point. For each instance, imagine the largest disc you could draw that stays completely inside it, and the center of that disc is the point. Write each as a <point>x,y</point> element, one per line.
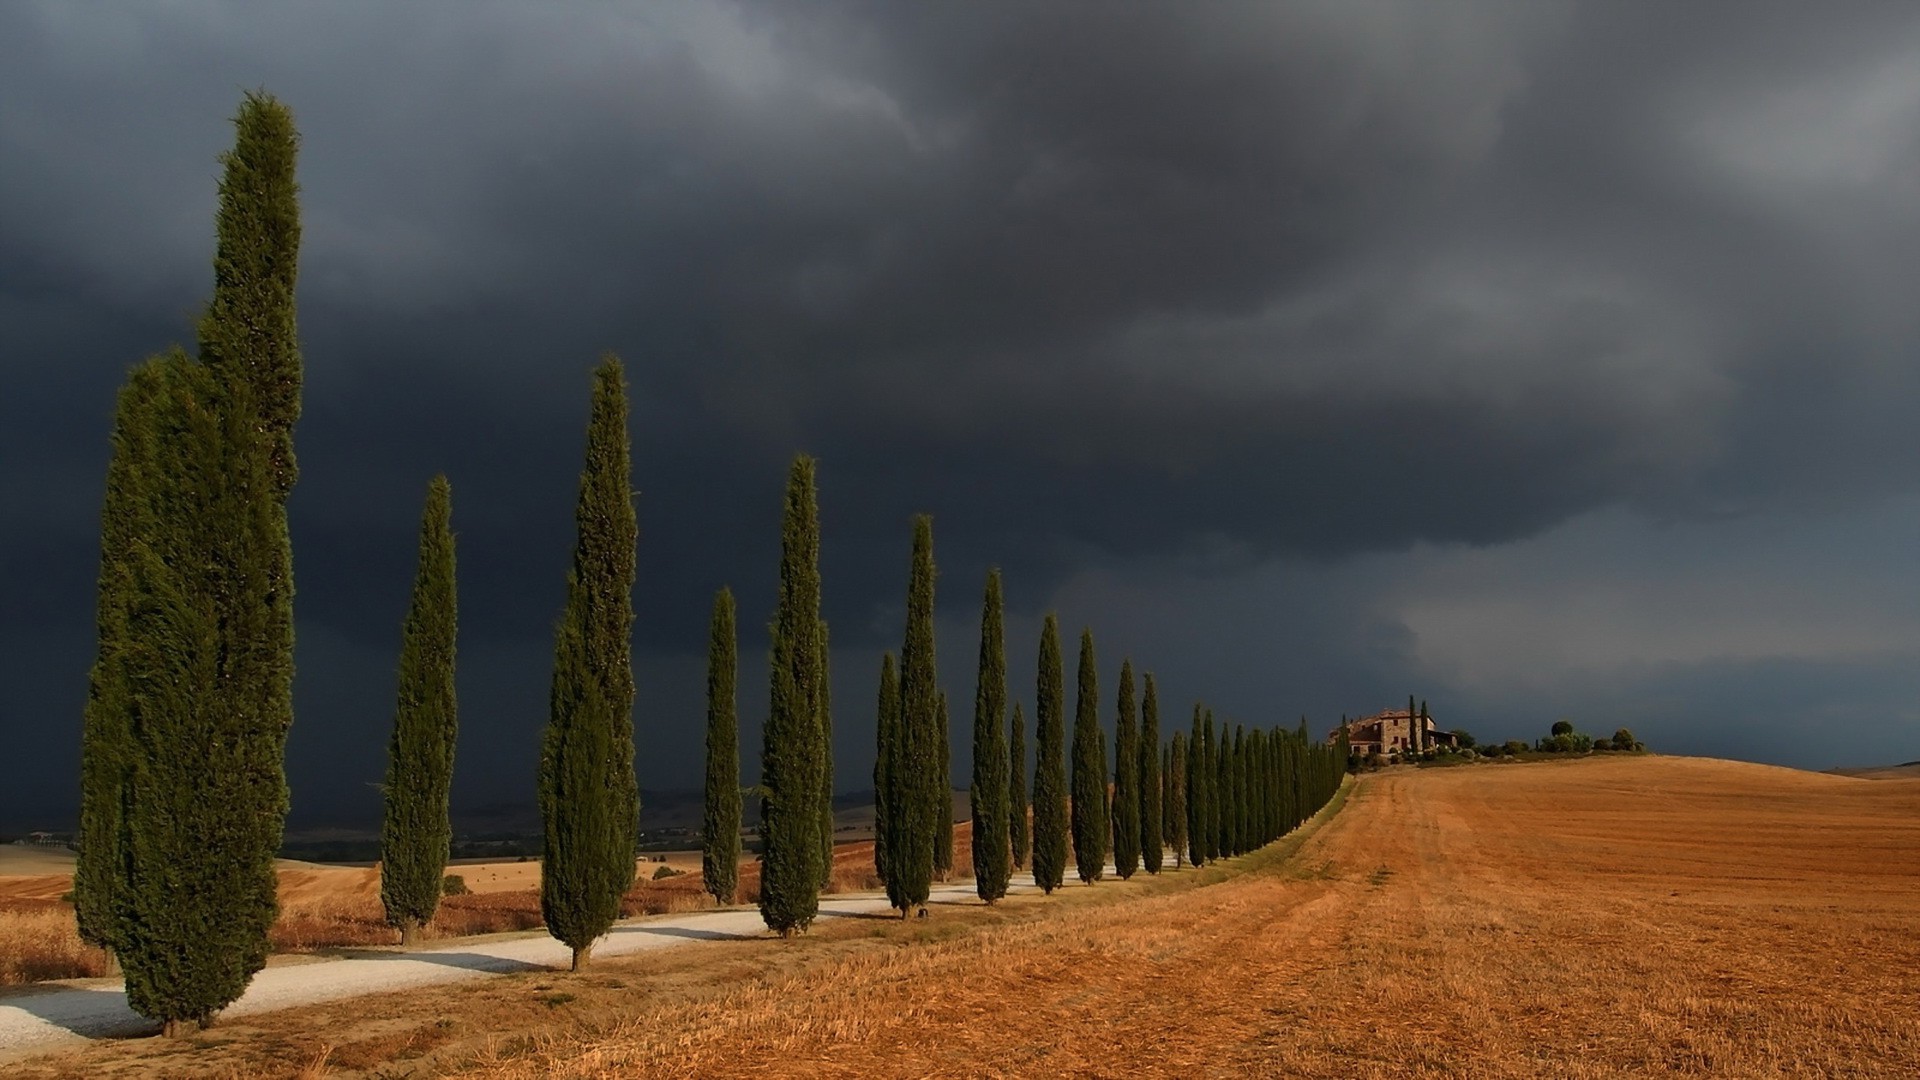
<point>1671,916</point>
<point>38,942</point>
<point>321,908</point>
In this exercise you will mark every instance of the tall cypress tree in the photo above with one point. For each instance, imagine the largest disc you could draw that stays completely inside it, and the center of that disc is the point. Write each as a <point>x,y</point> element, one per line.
<point>1242,792</point>
<point>106,728</point>
<point>1152,794</point>
<point>886,786</point>
<point>720,826</point>
<point>201,645</point>
<point>916,772</point>
<point>1166,794</point>
<point>1050,763</point>
<point>1177,798</point>
<point>1196,805</point>
<point>943,797</point>
<point>1089,778</point>
<point>205,670</point>
<point>825,669</point>
<point>417,834</point>
<point>589,800</point>
<point>792,756</point>
<point>1017,805</point>
<point>1226,807</point>
<point>1210,774</point>
<point>1126,779</point>
<point>992,852</point>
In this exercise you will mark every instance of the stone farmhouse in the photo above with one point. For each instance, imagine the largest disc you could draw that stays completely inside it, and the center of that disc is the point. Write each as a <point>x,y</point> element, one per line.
<point>1389,733</point>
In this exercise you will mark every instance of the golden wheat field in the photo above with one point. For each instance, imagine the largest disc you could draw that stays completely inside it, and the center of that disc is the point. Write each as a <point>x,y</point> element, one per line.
<point>1627,916</point>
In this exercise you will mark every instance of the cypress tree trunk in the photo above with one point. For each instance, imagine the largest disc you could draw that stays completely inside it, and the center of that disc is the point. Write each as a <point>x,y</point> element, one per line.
<point>207,662</point>
<point>1177,798</point>
<point>916,771</point>
<point>720,825</point>
<point>417,833</point>
<point>106,725</point>
<point>1126,779</point>
<point>886,785</point>
<point>1017,806</point>
<point>1196,794</point>
<point>791,758</point>
<point>943,798</point>
<point>988,796</point>
<point>1050,765</point>
<point>826,759</point>
<point>589,800</point>
<point>1153,826</point>
<point>1089,778</point>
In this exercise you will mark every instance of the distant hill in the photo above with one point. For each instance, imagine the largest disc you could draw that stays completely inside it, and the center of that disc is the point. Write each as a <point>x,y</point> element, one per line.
<point>1909,770</point>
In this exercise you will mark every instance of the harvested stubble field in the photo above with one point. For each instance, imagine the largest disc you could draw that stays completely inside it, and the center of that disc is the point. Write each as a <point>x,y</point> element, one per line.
<point>1590,918</point>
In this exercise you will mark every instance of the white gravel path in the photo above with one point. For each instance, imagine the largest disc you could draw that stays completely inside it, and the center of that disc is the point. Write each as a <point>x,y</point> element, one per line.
<point>35,1020</point>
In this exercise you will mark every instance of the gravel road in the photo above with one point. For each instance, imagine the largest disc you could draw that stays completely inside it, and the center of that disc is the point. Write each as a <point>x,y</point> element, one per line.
<point>34,1020</point>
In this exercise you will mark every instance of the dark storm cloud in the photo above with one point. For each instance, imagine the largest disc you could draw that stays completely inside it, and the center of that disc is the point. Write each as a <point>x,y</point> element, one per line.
<point>1181,289</point>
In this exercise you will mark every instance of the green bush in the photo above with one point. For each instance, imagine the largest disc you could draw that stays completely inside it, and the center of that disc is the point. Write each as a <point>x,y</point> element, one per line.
<point>1513,748</point>
<point>454,885</point>
<point>1562,727</point>
<point>1624,740</point>
<point>666,872</point>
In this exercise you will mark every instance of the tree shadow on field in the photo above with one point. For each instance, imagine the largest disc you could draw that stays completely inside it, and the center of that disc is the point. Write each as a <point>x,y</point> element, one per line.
<point>464,961</point>
<point>95,1014</point>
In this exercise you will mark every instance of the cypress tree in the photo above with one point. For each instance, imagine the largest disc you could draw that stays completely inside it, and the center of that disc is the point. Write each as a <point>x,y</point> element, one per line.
<point>825,669</point>
<point>1017,807</point>
<point>792,755</point>
<point>1166,795</point>
<point>417,834</point>
<point>1196,806</point>
<point>720,827</point>
<point>589,800</point>
<point>1050,764</point>
<point>1243,840</point>
<point>992,852</point>
<point>1413,728</point>
<point>1152,794</point>
<point>916,773</point>
<point>201,649</point>
<point>886,787</point>
<point>1210,769</point>
<point>1177,798</point>
<point>1089,778</point>
<point>206,666</point>
<point>1126,780</point>
<point>943,798</point>
<point>106,734</point>
<point>1228,804</point>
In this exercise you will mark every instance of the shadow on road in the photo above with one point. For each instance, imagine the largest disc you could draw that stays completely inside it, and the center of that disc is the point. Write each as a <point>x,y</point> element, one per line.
<point>96,1014</point>
<point>687,932</point>
<point>465,961</point>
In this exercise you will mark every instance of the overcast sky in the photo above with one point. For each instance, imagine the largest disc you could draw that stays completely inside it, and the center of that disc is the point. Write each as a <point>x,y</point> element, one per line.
<point>1541,359</point>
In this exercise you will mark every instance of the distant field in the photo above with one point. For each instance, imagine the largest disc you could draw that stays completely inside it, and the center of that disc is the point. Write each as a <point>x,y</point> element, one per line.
<point>1907,771</point>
